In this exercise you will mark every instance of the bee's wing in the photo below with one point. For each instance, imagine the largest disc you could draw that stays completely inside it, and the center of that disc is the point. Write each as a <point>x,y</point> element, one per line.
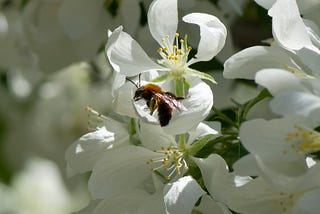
<point>171,100</point>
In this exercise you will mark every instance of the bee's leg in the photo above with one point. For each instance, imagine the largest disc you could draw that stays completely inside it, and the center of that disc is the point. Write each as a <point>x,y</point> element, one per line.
<point>153,105</point>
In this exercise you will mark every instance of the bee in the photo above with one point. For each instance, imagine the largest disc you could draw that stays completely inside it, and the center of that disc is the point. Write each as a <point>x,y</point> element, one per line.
<point>155,98</point>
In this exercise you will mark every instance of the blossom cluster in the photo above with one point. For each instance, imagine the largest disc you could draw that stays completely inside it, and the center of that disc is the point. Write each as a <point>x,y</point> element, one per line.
<point>52,64</point>
<point>189,164</point>
<point>177,157</point>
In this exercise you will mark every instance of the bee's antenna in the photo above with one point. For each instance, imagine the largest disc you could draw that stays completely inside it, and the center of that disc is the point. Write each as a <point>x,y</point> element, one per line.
<point>132,82</point>
<point>139,79</point>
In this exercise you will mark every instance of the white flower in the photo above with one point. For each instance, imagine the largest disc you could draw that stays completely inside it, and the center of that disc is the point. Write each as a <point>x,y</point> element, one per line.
<point>161,153</point>
<point>278,193</point>
<point>270,193</point>
<point>296,48</point>
<point>129,59</point>
<point>173,153</point>
<point>280,144</point>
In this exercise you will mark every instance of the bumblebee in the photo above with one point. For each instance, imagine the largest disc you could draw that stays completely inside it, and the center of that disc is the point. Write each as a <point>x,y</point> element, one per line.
<point>155,98</point>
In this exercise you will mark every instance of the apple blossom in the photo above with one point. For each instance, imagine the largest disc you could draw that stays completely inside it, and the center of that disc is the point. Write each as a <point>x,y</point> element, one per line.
<point>129,59</point>
<point>281,144</point>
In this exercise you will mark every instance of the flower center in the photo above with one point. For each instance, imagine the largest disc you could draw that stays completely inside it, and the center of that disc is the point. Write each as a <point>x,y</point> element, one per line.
<point>174,56</point>
<point>303,140</point>
<point>171,162</point>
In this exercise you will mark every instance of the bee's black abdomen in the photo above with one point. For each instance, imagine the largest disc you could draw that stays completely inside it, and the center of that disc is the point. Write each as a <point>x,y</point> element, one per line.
<point>164,113</point>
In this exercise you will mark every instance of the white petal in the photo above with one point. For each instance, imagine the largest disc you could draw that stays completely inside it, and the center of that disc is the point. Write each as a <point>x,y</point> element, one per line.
<point>121,170</point>
<point>254,197</point>
<point>246,166</point>
<point>285,183</point>
<point>287,25</point>
<point>213,35</point>
<point>201,130</point>
<point>181,196</point>
<point>295,103</point>
<point>266,139</point>
<point>163,19</point>
<point>117,81</point>
<point>278,80</point>
<point>216,177</point>
<point>209,206</point>
<point>122,102</point>
<point>126,56</point>
<point>198,105</point>
<point>85,152</point>
<point>309,201</point>
<point>247,62</point>
<point>155,132</point>
<point>311,59</point>
<point>133,202</point>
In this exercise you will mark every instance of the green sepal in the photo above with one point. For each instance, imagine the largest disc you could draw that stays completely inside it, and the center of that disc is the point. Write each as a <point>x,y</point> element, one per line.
<point>199,144</point>
<point>133,133</point>
<point>160,78</point>
<point>179,86</point>
<point>201,75</point>
<point>132,126</point>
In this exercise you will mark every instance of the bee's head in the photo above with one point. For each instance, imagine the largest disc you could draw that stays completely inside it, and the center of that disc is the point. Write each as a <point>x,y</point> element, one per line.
<point>139,93</point>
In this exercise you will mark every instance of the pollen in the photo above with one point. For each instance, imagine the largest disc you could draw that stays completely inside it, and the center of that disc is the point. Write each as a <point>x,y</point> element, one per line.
<point>303,140</point>
<point>174,52</point>
<point>170,163</point>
